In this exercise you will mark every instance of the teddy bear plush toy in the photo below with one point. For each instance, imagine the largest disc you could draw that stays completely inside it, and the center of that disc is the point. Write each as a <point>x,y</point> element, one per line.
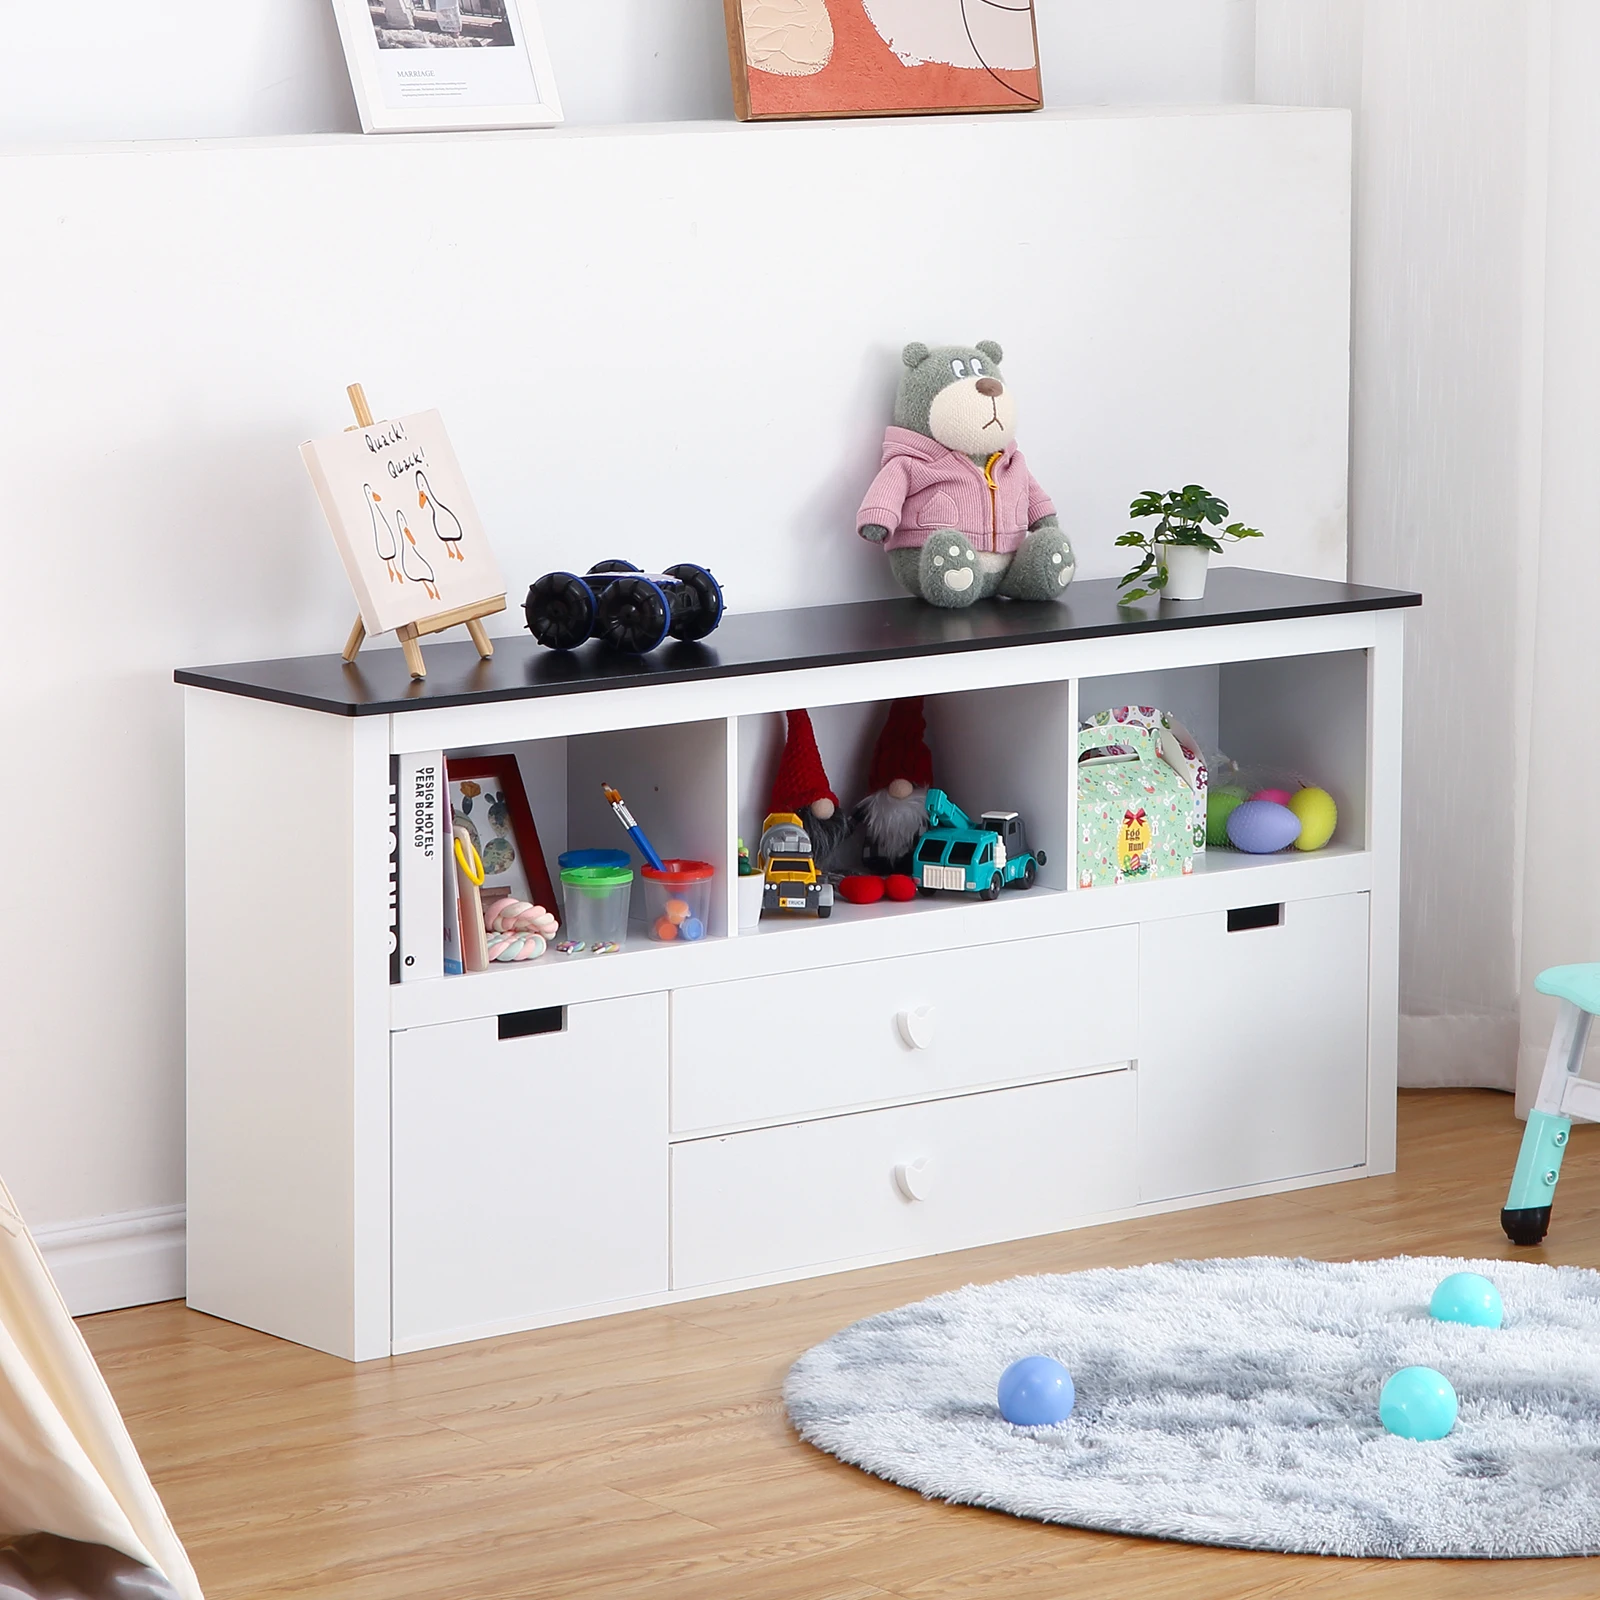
<point>954,504</point>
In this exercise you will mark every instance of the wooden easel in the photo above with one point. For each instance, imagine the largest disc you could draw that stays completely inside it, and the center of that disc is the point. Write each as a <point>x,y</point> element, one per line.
<point>409,633</point>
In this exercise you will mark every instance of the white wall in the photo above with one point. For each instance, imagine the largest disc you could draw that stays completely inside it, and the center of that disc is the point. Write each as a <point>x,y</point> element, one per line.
<point>179,69</point>
<point>91,1040</point>
<point>195,310</point>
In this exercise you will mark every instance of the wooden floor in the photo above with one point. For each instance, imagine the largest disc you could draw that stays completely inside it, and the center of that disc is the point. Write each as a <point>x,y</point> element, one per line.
<point>647,1455</point>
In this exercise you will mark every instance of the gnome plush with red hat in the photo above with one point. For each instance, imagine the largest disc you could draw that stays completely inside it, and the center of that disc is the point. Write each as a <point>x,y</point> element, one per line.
<point>801,786</point>
<point>894,813</point>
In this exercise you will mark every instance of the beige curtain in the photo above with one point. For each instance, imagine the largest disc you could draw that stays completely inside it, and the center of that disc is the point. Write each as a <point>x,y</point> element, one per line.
<point>67,1465</point>
<point>1449,434</point>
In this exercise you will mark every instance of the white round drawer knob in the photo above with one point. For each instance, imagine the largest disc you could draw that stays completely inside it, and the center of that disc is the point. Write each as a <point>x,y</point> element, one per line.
<point>911,1178</point>
<point>916,1027</point>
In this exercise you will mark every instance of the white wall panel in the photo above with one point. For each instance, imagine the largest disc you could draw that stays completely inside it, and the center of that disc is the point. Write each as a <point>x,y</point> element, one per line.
<point>669,344</point>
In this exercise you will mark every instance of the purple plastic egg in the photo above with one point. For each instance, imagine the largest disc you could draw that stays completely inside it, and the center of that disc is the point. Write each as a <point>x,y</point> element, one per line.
<point>1260,827</point>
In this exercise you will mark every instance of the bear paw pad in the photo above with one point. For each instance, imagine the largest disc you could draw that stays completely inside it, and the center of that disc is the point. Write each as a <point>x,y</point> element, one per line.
<point>959,579</point>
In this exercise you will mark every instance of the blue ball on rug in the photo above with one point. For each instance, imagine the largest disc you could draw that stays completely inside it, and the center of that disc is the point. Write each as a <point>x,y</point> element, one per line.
<point>1470,1298</point>
<point>1036,1392</point>
<point>1418,1403</point>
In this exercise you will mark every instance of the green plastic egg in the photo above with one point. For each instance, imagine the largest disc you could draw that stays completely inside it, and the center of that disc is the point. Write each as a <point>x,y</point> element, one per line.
<point>1220,805</point>
<point>1318,815</point>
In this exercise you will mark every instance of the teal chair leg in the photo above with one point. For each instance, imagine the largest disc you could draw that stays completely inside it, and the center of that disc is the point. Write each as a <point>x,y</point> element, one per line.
<point>1526,1215</point>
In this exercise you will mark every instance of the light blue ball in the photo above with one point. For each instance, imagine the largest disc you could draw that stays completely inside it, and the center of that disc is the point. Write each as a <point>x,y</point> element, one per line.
<point>1036,1392</point>
<point>1418,1403</point>
<point>1468,1297</point>
<point>1261,827</point>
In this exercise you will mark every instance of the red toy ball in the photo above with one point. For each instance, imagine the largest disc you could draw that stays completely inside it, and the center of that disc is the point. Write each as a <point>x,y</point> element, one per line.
<point>900,887</point>
<point>861,890</point>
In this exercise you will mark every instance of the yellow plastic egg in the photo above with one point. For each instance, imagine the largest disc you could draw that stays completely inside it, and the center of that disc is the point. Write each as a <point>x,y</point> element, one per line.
<point>1318,815</point>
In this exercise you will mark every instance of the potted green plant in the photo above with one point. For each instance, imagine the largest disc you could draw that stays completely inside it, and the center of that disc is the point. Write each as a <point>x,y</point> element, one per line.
<point>751,883</point>
<point>1175,553</point>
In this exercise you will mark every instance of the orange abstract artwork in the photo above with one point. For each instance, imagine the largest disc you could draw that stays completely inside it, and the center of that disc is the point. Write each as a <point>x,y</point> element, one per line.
<point>866,58</point>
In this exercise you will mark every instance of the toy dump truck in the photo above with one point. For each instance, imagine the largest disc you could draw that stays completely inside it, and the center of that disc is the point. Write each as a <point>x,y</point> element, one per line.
<point>792,880</point>
<point>981,857</point>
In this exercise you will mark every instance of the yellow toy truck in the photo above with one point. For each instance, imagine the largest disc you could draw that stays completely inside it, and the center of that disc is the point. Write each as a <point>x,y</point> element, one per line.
<point>792,882</point>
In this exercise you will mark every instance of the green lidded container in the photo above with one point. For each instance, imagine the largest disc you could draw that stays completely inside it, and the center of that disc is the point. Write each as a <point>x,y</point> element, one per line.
<point>596,902</point>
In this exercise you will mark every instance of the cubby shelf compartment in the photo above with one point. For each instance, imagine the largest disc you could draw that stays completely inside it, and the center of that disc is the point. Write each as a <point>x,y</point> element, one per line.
<point>320,1096</point>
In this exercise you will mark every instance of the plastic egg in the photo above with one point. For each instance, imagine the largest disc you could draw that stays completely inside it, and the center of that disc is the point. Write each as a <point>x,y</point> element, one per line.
<point>1279,797</point>
<point>1318,815</point>
<point>1418,1403</point>
<point>1036,1392</point>
<point>1470,1298</point>
<point>1260,827</point>
<point>677,911</point>
<point>1220,805</point>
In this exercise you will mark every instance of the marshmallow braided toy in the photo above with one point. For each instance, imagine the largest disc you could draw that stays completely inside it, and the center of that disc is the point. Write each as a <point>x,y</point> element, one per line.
<point>516,930</point>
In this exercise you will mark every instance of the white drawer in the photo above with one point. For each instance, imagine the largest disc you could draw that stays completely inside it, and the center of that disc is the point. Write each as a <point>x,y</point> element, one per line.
<point>1253,1055</point>
<point>810,1043</point>
<point>1002,1165</point>
<point>530,1173</point>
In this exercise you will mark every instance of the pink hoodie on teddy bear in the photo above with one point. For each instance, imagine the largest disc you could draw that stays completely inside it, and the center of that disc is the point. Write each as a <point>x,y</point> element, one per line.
<point>923,487</point>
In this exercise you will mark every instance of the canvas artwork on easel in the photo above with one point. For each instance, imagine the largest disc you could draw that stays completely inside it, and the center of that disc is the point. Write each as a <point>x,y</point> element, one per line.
<point>403,521</point>
<point>878,58</point>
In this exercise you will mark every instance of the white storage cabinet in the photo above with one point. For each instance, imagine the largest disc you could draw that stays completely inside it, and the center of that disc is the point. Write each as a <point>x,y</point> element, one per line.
<point>379,1167</point>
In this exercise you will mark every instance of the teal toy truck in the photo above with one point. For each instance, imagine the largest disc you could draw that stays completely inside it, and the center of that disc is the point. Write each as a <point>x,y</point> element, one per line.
<point>981,857</point>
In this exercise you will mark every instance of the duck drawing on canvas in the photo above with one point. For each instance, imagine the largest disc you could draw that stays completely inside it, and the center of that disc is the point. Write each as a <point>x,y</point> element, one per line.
<point>446,524</point>
<point>412,561</point>
<point>382,534</point>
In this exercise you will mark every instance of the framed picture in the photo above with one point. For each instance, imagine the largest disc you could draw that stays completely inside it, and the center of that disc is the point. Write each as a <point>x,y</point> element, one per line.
<point>881,58</point>
<point>403,521</point>
<point>487,799</point>
<point>433,66</point>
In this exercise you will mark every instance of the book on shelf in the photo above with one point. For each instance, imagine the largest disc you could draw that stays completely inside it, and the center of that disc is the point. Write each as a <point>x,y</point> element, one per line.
<point>454,958</point>
<point>392,873</point>
<point>473,946</point>
<point>424,844</point>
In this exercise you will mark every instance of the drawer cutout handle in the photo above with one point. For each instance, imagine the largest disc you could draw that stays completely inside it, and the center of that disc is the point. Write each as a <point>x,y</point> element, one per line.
<point>916,1027</point>
<point>911,1178</point>
<point>1244,918</point>
<point>528,1024</point>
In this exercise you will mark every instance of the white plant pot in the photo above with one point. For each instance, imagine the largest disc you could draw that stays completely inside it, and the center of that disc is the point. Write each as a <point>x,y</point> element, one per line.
<point>750,901</point>
<point>1186,571</point>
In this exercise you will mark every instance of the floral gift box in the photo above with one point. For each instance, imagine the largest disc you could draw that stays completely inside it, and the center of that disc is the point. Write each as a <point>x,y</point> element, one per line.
<point>1136,810</point>
<point>1177,747</point>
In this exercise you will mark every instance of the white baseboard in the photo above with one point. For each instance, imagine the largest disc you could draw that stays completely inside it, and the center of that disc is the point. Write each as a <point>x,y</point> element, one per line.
<point>130,1259</point>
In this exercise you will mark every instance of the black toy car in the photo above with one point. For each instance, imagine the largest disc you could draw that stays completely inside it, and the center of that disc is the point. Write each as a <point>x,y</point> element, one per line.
<point>630,610</point>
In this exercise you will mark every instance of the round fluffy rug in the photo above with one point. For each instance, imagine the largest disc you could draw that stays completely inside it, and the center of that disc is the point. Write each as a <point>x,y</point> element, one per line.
<point>1236,1403</point>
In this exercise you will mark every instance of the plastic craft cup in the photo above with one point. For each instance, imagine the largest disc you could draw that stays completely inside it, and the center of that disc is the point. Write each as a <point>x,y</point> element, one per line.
<point>678,899</point>
<point>596,900</point>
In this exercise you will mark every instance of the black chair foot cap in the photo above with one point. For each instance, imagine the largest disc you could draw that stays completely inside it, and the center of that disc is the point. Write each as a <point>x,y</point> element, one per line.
<point>1526,1226</point>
